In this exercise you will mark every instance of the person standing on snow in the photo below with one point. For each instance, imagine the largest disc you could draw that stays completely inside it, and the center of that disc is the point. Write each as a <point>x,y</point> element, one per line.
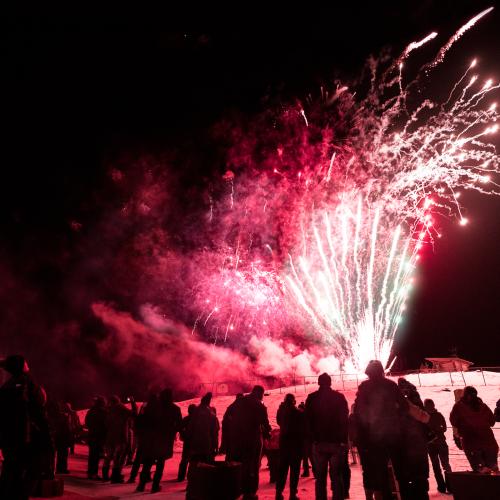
<point>291,445</point>
<point>377,421</point>
<point>437,447</point>
<point>474,420</point>
<point>96,423</point>
<point>161,421</point>
<point>327,420</point>
<point>250,425</point>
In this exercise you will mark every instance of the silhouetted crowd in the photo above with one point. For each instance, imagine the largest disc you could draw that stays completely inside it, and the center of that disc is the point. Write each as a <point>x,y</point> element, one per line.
<point>389,426</point>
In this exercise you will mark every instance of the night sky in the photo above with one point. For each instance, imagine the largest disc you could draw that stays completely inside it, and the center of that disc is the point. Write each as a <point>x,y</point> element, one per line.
<point>84,90</point>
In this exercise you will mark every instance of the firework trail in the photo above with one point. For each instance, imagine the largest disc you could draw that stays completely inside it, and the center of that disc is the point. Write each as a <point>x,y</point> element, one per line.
<point>332,203</point>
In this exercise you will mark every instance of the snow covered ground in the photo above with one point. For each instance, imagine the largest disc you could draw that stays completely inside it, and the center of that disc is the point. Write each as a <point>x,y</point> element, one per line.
<point>437,386</point>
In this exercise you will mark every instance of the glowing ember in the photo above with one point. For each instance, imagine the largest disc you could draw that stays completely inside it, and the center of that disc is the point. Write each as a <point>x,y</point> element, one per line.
<point>320,232</point>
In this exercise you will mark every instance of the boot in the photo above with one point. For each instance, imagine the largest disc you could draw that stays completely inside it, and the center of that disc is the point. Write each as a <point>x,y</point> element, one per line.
<point>155,488</point>
<point>117,477</point>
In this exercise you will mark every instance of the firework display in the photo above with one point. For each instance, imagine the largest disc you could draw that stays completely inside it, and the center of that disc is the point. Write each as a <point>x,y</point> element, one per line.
<point>326,205</point>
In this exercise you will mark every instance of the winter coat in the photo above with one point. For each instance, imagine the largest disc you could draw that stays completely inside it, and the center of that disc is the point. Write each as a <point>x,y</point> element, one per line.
<point>327,416</point>
<point>227,429</point>
<point>161,422</point>
<point>378,410</point>
<point>96,423</point>
<point>250,424</point>
<point>60,423</point>
<point>76,425</point>
<point>412,463</point>
<point>497,413</point>
<point>474,426</point>
<point>23,419</point>
<point>203,432</point>
<point>292,428</point>
<point>437,427</point>
<point>117,423</point>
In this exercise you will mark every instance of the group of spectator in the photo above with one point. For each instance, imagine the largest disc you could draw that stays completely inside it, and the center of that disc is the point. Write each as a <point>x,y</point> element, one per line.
<point>392,429</point>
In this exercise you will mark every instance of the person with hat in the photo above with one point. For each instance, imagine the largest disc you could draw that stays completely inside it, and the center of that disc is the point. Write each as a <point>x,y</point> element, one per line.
<point>96,424</point>
<point>377,415</point>
<point>25,438</point>
<point>327,415</point>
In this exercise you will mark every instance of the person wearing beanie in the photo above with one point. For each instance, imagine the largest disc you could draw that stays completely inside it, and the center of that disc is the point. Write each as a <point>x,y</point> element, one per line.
<point>326,416</point>
<point>378,409</point>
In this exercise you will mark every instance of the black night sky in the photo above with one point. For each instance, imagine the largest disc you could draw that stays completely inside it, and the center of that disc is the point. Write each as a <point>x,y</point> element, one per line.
<point>83,88</point>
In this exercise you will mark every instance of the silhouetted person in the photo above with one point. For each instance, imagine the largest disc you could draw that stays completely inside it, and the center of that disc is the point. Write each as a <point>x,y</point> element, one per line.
<point>437,446</point>
<point>24,432</point>
<point>412,470</point>
<point>306,454</point>
<point>227,428</point>
<point>203,432</point>
<point>410,392</point>
<point>118,421</point>
<point>326,416</point>
<point>183,464</point>
<point>162,421</point>
<point>292,432</point>
<point>76,426</point>
<point>140,430</point>
<point>60,425</point>
<point>377,415</point>
<point>96,423</point>
<point>271,450</point>
<point>497,411</point>
<point>474,420</point>
<point>250,425</point>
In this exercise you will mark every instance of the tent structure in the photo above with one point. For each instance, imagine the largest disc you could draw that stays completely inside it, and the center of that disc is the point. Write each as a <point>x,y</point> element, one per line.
<point>452,364</point>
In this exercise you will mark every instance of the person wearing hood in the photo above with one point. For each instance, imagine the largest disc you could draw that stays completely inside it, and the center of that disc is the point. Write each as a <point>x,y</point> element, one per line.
<point>291,445</point>
<point>203,432</point>
<point>96,423</point>
<point>377,419</point>
<point>250,425</point>
<point>437,446</point>
<point>25,438</point>
<point>474,420</point>
<point>161,422</point>
<point>327,421</point>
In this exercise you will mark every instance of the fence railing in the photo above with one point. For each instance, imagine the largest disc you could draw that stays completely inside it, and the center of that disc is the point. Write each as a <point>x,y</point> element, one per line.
<point>489,375</point>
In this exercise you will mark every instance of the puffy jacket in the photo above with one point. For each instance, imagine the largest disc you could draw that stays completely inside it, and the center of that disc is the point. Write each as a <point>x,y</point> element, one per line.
<point>292,428</point>
<point>327,416</point>
<point>474,426</point>
<point>378,412</point>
